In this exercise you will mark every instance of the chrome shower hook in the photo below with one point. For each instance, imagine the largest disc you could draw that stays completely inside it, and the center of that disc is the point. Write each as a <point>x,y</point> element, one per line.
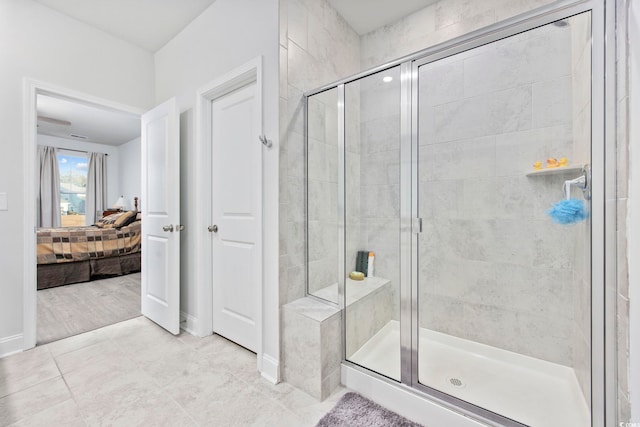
<point>583,182</point>
<point>266,142</point>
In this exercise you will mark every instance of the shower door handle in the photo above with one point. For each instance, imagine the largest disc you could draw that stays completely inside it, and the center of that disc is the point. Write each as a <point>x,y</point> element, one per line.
<point>416,225</point>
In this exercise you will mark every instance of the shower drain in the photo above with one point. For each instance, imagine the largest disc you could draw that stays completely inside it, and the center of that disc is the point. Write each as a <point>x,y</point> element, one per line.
<point>456,382</point>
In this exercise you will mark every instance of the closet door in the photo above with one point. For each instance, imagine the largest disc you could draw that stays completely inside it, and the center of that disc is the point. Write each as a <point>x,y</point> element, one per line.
<point>236,228</point>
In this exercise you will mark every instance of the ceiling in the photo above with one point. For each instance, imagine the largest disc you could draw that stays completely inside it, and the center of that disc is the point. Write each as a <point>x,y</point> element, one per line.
<point>366,15</point>
<point>98,125</point>
<point>149,24</point>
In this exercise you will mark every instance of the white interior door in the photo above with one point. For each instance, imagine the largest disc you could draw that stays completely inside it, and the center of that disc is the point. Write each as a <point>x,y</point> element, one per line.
<point>236,215</point>
<point>160,200</point>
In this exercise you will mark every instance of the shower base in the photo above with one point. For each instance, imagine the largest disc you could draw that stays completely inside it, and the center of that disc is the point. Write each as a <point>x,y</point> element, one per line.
<point>528,390</point>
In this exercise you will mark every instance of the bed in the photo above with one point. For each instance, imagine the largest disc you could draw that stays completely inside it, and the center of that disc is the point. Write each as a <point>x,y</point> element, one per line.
<point>80,254</point>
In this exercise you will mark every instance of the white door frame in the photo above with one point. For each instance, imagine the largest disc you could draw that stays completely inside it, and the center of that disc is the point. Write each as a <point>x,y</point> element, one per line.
<point>31,89</point>
<point>248,73</point>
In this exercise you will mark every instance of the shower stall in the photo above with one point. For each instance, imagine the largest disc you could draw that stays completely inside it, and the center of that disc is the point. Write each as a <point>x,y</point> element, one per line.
<point>440,169</point>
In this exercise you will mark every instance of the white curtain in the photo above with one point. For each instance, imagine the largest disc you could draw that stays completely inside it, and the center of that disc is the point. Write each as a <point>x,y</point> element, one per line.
<point>96,186</point>
<point>49,191</point>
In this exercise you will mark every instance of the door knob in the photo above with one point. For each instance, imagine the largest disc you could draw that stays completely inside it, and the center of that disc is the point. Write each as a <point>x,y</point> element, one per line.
<point>213,229</point>
<point>168,228</point>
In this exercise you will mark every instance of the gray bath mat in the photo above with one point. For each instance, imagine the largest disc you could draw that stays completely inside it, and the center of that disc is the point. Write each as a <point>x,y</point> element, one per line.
<point>353,410</point>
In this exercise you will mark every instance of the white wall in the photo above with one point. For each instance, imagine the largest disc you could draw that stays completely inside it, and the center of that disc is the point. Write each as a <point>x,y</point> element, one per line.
<point>227,35</point>
<point>38,43</point>
<point>129,176</point>
<point>633,217</point>
<point>113,159</point>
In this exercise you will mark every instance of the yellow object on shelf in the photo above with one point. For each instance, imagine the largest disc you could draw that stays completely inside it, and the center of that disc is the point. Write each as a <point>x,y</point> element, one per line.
<point>356,275</point>
<point>537,166</point>
<point>552,162</point>
<point>563,162</point>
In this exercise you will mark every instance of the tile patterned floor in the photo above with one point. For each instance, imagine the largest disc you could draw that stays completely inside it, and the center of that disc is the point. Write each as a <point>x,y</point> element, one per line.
<point>136,374</point>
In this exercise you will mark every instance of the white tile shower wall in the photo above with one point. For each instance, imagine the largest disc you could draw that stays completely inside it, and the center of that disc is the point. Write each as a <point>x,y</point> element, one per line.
<point>436,23</point>
<point>322,180</point>
<point>493,268</point>
<point>319,47</point>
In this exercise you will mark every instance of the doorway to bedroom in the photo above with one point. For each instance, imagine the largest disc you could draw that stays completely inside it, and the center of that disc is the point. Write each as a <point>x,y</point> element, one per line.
<point>88,188</point>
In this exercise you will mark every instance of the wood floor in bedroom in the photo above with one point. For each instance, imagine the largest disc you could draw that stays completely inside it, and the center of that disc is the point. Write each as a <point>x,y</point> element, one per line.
<point>73,309</point>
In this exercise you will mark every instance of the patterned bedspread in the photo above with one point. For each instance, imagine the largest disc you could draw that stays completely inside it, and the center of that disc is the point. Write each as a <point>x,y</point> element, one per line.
<point>57,245</point>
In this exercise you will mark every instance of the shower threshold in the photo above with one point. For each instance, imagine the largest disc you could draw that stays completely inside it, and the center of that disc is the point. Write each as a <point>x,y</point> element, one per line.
<point>529,390</point>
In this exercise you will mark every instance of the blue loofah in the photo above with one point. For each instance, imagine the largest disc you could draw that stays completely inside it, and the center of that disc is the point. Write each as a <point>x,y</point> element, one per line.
<point>568,211</point>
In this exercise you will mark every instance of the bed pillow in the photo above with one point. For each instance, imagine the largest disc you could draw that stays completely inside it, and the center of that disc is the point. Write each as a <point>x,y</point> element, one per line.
<point>116,220</point>
<point>125,219</point>
<point>107,221</point>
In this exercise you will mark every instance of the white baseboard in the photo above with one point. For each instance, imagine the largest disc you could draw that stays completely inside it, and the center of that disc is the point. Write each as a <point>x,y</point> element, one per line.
<point>11,345</point>
<point>404,402</point>
<point>188,323</point>
<point>270,369</point>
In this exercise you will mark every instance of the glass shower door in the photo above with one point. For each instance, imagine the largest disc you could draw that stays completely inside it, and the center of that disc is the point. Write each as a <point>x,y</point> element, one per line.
<point>322,156</point>
<point>372,217</point>
<point>504,291</point>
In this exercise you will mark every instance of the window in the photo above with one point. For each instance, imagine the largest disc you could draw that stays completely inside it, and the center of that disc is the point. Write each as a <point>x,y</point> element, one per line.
<point>73,188</point>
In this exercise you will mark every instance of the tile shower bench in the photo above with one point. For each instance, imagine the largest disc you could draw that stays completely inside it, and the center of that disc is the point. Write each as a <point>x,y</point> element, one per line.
<point>312,344</point>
